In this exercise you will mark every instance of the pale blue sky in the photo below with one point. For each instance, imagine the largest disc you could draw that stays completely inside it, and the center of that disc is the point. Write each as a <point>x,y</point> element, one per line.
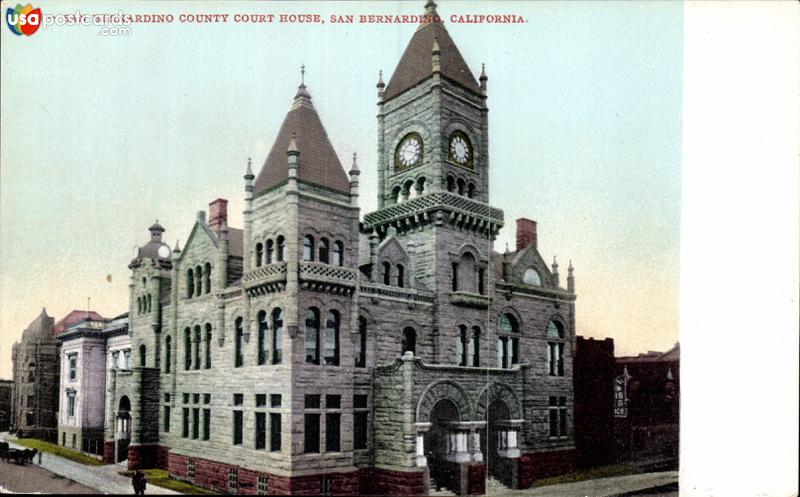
<point>102,135</point>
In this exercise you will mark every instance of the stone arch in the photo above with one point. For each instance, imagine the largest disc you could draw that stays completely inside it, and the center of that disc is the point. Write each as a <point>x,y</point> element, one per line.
<point>497,391</point>
<point>514,312</point>
<point>559,319</point>
<point>443,389</point>
<point>472,249</point>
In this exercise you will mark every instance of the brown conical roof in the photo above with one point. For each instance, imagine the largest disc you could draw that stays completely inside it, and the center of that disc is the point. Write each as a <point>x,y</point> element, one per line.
<point>416,65</point>
<point>318,162</point>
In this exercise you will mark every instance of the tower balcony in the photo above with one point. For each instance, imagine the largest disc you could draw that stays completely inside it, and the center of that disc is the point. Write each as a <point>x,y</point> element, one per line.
<point>439,207</point>
<point>265,279</point>
<point>327,278</point>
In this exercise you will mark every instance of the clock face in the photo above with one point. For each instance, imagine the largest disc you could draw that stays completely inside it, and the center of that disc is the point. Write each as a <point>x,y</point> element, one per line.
<point>461,150</point>
<point>163,251</point>
<point>409,152</point>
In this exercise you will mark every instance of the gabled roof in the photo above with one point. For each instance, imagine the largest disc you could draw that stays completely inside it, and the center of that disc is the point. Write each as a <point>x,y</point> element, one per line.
<point>416,64</point>
<point>73,317</point>
<point>318,163</point>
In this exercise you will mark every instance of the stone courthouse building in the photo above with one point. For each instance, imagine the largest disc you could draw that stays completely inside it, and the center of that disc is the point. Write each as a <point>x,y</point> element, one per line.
<point>316,352</point>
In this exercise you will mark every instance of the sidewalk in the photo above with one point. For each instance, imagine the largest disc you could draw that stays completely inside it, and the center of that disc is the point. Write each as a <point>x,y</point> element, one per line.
<point>601,487</point>
<point>103,478</point>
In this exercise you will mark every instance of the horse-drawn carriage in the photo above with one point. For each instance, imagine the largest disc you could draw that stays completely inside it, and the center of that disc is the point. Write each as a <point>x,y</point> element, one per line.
<point>19,456</point>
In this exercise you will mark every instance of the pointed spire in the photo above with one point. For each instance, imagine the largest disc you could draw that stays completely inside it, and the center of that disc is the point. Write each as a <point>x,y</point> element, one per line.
<point>570,278</point>
<point>555,272</point>
<point>483,79</point>
<point>380,84</point>
<point>302,92</point>
<point>248,173</point>
<point>354,168</point>
<point>177,246</point>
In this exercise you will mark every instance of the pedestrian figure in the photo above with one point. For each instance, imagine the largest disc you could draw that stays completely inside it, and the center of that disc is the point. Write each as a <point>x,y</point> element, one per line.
<point>39,456</point>
<point>139,483</point>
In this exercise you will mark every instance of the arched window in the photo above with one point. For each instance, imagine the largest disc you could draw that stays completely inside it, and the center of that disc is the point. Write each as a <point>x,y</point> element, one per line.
<point>197,347</point>
<point>400,275</point>
<point>466,269</point>
<point>263,329</point>
<point>189,283</point>
<point>454,277</point>
<point>451,184</point>
<point>408,190</point>
<point>396,195</point>
<point>481,281</point>
<point>208,346</point>
<point>198,280</point>
<point>331,345</point>
<point>323,250</point>
<point>277,336</point>
<point>239,343</point>
<point>461,186</point>
<point>338,254</point>
<point>167,353</point>
<point>259,254</point>
<point>555,348</point>
<point>142,355</point>
<point>281,243</point>
<point>421,186</point>
<point>531,277</point>
<point>507,341</point>
<point>270,251</point>
<point>139,305</point>
<point>187,349</point>
<point>387,276</point>
<point>31,376</point>
<point>475,347</point>
<point>471,190</point>
<point>149,302</point>
<point>409,343</point>
<point>308,248</point>
<point>207,274</point>
<point>361,343</point>
<point>312,335</point>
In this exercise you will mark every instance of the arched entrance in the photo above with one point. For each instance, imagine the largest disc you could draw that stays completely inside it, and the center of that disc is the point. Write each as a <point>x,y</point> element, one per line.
<point>491,438</point>
<point>438,442</point>
<point>122,432</point>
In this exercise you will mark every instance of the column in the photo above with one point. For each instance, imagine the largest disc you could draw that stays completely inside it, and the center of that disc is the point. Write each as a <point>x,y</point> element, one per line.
<point>421,460</point>
<point>477,455</point>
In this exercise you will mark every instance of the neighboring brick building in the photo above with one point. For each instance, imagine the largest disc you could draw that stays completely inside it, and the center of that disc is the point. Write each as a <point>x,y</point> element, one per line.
<point>648,434</point>
<point>310,353</point>
<point>34,396</point>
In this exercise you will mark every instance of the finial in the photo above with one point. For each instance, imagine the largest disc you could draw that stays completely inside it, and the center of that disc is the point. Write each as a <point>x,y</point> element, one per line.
<point>177,246</point>
<point>436,49</point>
<point>483,72</point>
<point>302,74</point>
<point>570,268</point>
<point>380,84</point>
<point>293,145</point>
<point>248,174</point>
<point>555,263</point>
<point>354,168</point>
<point>430,8</point>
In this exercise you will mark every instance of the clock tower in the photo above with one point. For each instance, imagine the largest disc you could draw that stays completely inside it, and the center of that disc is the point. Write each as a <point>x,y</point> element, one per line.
<point>433,158</point>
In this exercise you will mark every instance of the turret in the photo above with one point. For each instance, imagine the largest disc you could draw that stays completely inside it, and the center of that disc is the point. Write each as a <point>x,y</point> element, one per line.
<point>570,278</point>
<point>248,213</point>
<point>483,79</point>
<point>381,85</point>
<point>354,173</point>
<point>556,279</point>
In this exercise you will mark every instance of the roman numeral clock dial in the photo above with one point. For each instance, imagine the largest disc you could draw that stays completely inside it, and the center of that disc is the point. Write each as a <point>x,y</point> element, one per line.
<point>460,150</point>
<point>409,152</point>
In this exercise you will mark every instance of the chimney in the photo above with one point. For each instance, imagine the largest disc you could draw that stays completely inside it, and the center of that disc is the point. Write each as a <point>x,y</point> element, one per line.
<point>526,233</point>
<point>217,213</point>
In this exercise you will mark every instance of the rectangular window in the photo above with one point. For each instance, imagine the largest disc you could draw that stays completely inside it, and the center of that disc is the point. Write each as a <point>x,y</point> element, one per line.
<point>553,411</point>
<point>332,432</point>
<point>482,281</point>
<point>190,468</point>
<point>502,357</point>
<point>311,435</point>
<point>126,355</point>
<point>185,431</point>
<point>275,432</point>
<point>238,399</point>
<point>206,398</point>
<point>333,401</point>
<point>275,400</point>
<point>262,485</point>
<point>31,401</point>
<point>461,347</point>
<point>197,347</point>
<point>312,401</point>
<point>208,347</point>
<point>73,366</point>
<point>186,398</point>
<point>555,358</point>
<point>196,398</point>
<point>560,360</point>
<point>70,404</point>
<point>455,277</point>
<point>360,426</point>
<point>261,400</point>
<point>514,350</point>
<point>562,416</point>
<point>206,424</point>
<point>115,359</point>
<point>261,431</point>
<point>74,439</point>
<point>167,397</point>
<point>262,343</point>
<point>166,419</point>
<point>238,423</point>
<point>360,401</point>
<point>196,423</point>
